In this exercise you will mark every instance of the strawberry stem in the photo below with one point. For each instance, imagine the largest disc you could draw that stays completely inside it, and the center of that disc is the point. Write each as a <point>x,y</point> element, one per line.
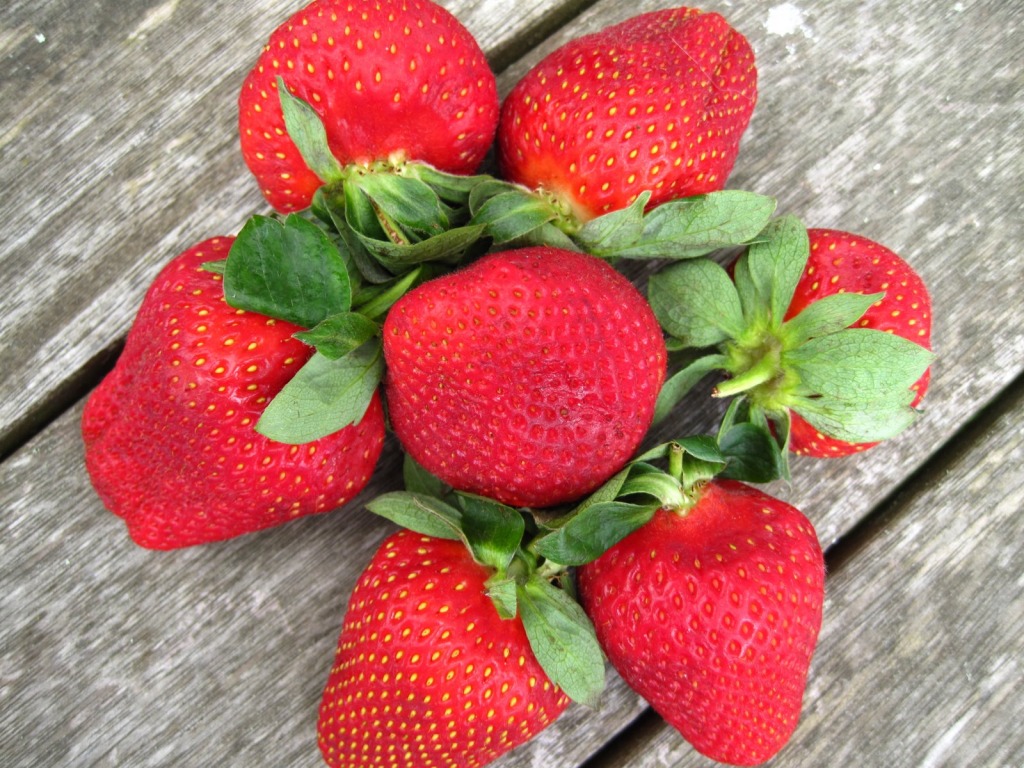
<point>763,371</point>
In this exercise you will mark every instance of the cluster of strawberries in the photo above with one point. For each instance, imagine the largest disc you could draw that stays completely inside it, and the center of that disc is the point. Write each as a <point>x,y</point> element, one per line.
<point>482,318</point>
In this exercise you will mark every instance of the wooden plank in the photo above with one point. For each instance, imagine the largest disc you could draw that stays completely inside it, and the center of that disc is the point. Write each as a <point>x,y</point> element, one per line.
<point>119,145</point>
<point>919,661</point>
<point>215,655</point>
<point>868,121</point>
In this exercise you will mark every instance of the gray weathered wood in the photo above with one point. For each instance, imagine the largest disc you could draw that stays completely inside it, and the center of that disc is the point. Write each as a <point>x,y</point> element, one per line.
<point>869,120</point>
<point>118,139</point>
<point>214,655</point>
<point>919,661</point>
<point>896,120</point>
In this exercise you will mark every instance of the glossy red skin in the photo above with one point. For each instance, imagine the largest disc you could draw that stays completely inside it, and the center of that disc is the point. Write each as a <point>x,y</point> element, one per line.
<point>407,82</point>
<point>423,651</point>
<point>170,443</point>
<point>712,616</point>
<point>658,102</point>
<point>529,377</point>
<point>841,261</point>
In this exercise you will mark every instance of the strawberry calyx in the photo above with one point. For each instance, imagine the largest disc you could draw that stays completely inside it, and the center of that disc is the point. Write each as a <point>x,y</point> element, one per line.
<point>741,450</point>
<point>851,383</point>
<point>395,213</point>
<point>522,584</point>
<point>684,228</point>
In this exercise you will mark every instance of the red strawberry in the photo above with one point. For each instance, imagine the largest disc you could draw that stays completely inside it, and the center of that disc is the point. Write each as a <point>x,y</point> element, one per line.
<point>658,102</point>
<point>390,79</point>
<point>712,615</point>
<point>843,262</point>
<point>529,377</point>
<point>170,443</point>
<point>426,674</point>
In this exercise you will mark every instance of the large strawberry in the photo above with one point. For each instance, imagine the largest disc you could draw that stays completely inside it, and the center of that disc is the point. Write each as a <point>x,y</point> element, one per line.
<point>841,262</point>
<point>170,439</point>
<point>529,377</point>
<point>822,333</point>
<point>711,612</point>
<point>391,81</point>
<point>658,102</point>
<point>427,675</point>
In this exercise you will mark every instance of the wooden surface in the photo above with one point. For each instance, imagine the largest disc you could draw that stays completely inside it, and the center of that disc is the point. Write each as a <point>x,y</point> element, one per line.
<point>902,121</point>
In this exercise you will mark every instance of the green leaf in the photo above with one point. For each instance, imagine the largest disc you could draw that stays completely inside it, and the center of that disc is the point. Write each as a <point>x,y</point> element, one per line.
<point>324,396</point>
<point>287,270</point>
<point>753,304</point>
<point>695,226</point>
<point>677,387</point>
<point>455,189</point>
<point>826,315</point>
<point>307,132</point>
<point>777,261</point>
<point>546,234</point>
<point>608,491</point>
<point>648,480</point>
<point>337,335</point>
<point>421,513</point>
<point>858,363</point>
<point>616,231</point>
<point>419,480</point>
<point>448,247</point>
<point>490,187</point>
<point>858,421</point>
<point>494,531</point>
<point>377,303</point>
<point>502,591</point>
<point>407,208</point>
<point>751,453</point>
<point>696,301</point>
<point>512,215</point>
<point>360,215</point>
<point>590,533</point>
<point>563,640</point>
<point>701,447</point>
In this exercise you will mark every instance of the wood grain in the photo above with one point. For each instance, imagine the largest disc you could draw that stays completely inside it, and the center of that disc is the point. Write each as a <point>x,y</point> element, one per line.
<point>919,661</point>
<point>119,149</point>
<point>902,122</point>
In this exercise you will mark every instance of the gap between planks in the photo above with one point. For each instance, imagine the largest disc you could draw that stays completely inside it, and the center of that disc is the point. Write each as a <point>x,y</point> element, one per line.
<point>647,726</point>
<point>82,381</point>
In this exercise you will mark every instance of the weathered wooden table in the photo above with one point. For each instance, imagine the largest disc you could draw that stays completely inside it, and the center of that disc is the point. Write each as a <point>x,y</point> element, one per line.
<point>903,121</point>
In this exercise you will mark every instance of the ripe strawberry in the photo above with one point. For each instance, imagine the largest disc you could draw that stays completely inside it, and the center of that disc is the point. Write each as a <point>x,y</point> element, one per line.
<point>712,615</point>
<point>426,674</point>
<point>529,377</point>
<point>170,443</point>
<point>391,80</point>
<point>843,262</point>
<point>658,102</point>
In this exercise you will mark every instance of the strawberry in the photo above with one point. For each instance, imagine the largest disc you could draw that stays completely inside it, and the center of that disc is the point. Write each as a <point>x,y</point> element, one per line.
<point>391,80</point>
<point>529,377</point>
<point>711,612</point>
<point>842,262</point>
<point>426,674</point>
<point>170,443</point>
<point>658,102</point>
<point>821,333</point>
